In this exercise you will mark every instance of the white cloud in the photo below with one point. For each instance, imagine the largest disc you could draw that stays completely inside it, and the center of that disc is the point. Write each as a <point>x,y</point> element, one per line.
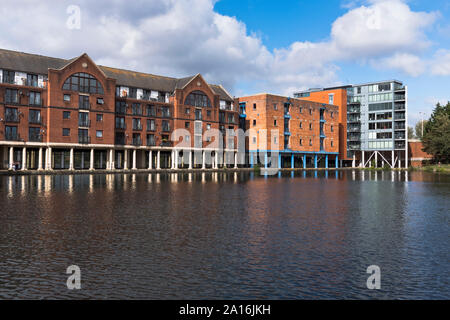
<point>185,37</point>
<point>405,62</point>
<point>440,65</point>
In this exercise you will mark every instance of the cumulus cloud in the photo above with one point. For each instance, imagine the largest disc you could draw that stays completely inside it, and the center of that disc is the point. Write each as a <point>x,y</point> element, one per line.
<point>440,65</point>
<point>185,37</point>
<point>407,63</point>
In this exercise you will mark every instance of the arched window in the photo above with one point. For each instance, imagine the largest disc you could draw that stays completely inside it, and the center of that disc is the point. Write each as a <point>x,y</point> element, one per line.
<point>83,82</point>
<point>197,99</point>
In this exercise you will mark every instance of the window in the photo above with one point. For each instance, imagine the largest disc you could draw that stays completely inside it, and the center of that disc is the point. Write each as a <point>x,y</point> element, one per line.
<point>34,116</point>
<point>275,123</point>
<point>150,125</point>
<point>187,111</point>
<point>165,112</point>
<point>371,126</point>
<point>310,126</point>
<point>11,115</point>
<point>100,101</point>
<point>121,107</point>
<point>208,126</point>
<point>332,143</point>
<point>11,133</point>
<point>120,123</point>
<point>301,124</point>
<point>198,114</point>
<point>165,126</point>
<point>254,106</point>
<point>310,142</point>
<point>187,138</point>
<point>331,98</point>
<point>66,132</point>
<point>254,139</point>
<point>83,82</point>
<point>84,102</point>
<point>254,122</point>
<point>301,109</point>
<point>99,134</point>
<point>301,142</point>
<point>8,76</point>
<point>136,109</point>
<point>187,125</point>
<point>132,93</point>
<point>275,107</point>
<point>99,117</point>
<point>66,114</point>
<point>66,98</point>
<point>310,111</point>
<point>151,140</point>
<point>137,125</point>
<point>151,111</point>
<point>332,129</point>
<point>35,98</point>
<point>197,99</point>
<point>32,80</point>
<point>208,113</point>
<point>332,114</point>
<point>34,134</point>
<point>83,119</point>
<point>137,139</point>
<point>12,96</point>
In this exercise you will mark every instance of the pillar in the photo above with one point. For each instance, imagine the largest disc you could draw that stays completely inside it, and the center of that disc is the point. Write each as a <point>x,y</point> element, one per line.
<point>48,159</point>
<point>406,155</point>
<point>326,161</point>
<point>24,158</point>
<point>111,159</point>
<point>265,160</point>
<point>71,159</point>
<point>392,159</point>
<point>150,160</point>
<point>235,160</point>
<point>279,161</point>
<point>190,159</point>
<point>91,160</point>
<point>40,159</point>
<point>292,161</point>
<point>203,160</point>
<point>251,160</point>
<point>11,157</point>
<point>363,159</point>
<point>337,161</point>
<point>376,159</point>
<point>134,159</point>
<point>125,159</point>
<point>216,159</point>
<point>158,160</point>
<point>177,154</point>
<point>304,161</point>
<point>354,161</point>
<point>315,161</point>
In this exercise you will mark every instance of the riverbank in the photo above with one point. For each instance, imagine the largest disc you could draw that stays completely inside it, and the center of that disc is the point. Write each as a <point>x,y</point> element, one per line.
<point>122,171</point>
<point>443,168</point>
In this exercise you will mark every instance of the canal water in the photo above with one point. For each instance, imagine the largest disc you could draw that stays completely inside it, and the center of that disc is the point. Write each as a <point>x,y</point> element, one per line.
<point>303,235</point>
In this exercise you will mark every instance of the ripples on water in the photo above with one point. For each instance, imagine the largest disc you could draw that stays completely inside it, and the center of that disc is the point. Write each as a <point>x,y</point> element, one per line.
<point>308,235</point>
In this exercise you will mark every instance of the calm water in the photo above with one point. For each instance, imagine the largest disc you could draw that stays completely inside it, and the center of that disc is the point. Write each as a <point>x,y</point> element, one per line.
<point>230,236</point>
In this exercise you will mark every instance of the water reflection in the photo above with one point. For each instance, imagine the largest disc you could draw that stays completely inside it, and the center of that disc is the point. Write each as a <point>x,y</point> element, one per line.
<point>297,234</point>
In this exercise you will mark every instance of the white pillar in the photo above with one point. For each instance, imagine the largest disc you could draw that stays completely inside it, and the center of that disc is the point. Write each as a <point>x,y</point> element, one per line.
<point>24,158</point>
<point>406,155</point>
<point>235,160</point>
<point>376,159</point>
<point>91,160</point>
<point>125,159</point>
<point>150,160</point>
<point>203,160</point>
<point>393,159</point>
<point>216,159</point>
<point>158,160</point>
<point>48,159</point>
<point>11,157</point>
<point>40,159</point>
<point>111,159</point>
<point>190,159</point>
<point>363,159</point>
<point>176,153</point>
<point>71,159</point>
<point>353,161</point>
<point>399,159</point>
<point>134,159</point>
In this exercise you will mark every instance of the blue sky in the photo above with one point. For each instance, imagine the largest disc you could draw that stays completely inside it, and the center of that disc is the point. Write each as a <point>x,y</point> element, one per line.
<point>249,46</point>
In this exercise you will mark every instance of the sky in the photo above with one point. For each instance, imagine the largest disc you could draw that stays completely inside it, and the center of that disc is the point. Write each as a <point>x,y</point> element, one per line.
<point>249,46</point>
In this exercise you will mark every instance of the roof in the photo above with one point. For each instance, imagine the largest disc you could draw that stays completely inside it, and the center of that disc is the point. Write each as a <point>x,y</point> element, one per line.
<point>33,63</point>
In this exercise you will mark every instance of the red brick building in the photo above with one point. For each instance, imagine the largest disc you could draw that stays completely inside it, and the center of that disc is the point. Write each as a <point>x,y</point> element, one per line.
<point>301,133</point>
<point>74,114</point>
<point>417,156</point>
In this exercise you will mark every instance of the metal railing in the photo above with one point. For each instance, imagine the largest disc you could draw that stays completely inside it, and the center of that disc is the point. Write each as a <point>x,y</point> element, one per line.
<point>84,139</point>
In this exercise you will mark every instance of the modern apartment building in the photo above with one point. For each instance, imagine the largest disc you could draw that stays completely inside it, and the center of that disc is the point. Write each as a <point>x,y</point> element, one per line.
<point>302,134</point>
<point>74,114</point>
<point>376,122</point>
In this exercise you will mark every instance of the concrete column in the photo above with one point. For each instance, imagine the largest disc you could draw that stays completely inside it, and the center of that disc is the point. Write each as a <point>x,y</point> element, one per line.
<point>292,161</point>
<point>326,161</point>
<point>337,161</point>
<point>71,159</point>
<point>40,159</point>
<point>216,160</point>
<point>111,159</point>
<point>24,158</point>
<point>363,159</point>
<point>150,160</point>
<point>134,159</point>
<point>392,159</point>
<point>406,154</point>
<point>315,161</point>
<point>376,159</point>
<point>235,160</point>
<point>354,161</point>
<point>11,157</point>
<point>48,159</point>
<point>304,161</point>
<point>158,160</point>
<point>203,160</point>
<point>91,160</point>
<point>190,159</point>
<point>251,160</point>
<point>177,154</point>
<point>125,159</point>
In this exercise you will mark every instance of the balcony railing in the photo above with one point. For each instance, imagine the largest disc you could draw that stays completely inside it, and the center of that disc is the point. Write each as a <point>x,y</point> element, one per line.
<point>399,97</point>
<point>120,140</point>
<point>12,137</point>
<point>166,143</point>
<point>121,125</point>
<point>151,143</point>
<point>84,123</point>
<point>12,118</point>
<point>85,106</point>
<point>137,142</point>
<point>137,127</point>
<point>35,120</point>
<point>84,139</point>
<point>35,137</point>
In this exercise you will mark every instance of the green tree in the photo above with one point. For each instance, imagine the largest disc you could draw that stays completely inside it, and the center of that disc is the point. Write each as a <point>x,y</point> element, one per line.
<point>411,133</point>
<point>436,136</point>
<point>419,128</point>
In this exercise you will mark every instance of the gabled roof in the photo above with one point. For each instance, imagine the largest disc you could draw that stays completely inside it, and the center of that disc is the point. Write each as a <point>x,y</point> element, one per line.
<point>33,63</point>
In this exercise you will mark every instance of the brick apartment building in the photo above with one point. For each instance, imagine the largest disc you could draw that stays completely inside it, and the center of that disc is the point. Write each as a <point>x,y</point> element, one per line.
<point>74,114</point>
<point>306,136</point>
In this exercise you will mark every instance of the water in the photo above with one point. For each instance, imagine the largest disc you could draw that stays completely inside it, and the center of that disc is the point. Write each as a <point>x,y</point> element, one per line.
<point>308,235</point>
